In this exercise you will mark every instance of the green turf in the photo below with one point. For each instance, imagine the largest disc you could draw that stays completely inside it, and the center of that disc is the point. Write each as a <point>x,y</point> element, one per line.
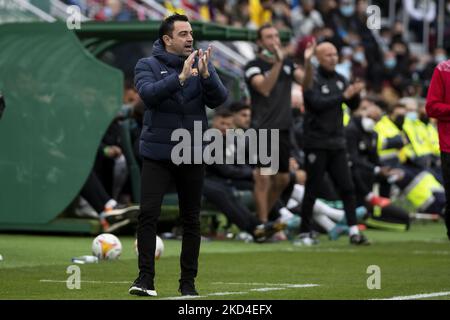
<point>411,263</point>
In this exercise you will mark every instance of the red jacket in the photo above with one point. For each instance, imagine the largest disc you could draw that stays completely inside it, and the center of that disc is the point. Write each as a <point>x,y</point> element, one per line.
<point>438,103</point>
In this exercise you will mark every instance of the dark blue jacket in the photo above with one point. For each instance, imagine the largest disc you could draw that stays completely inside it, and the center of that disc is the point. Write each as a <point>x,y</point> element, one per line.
<point>169,105</point>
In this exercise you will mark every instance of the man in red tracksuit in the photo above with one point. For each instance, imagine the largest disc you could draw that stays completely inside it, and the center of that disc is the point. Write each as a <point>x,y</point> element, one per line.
<point>438,107</point>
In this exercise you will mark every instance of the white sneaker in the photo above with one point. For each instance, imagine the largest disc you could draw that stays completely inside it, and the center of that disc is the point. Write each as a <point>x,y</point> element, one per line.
<point>306,240</point>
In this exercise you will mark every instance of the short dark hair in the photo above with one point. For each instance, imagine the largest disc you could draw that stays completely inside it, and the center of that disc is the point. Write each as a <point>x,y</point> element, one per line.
<point>238,106</point>
<point>222,113</point>
<point>166,27</point>
<point>261,29</point>
<point>397,105</point>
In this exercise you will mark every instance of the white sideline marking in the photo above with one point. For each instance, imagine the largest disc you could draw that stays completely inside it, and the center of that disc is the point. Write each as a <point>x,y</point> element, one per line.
<point>435,252</point>
<point>267,289</point>
<point>183,297</point>
<point>225,293</point>
<point>285,286</point>
<point>289,285</point>
<point>420,296</point>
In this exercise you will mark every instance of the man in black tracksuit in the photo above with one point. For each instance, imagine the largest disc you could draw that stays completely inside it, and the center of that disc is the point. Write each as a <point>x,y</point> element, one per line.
<point>325,148</point>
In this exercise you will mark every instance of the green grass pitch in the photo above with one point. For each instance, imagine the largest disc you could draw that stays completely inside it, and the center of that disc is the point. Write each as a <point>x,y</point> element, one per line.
<point>411,263</point>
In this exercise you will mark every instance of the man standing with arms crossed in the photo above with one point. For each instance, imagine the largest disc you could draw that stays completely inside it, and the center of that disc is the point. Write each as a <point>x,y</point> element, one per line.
<point>269,78</point>
<point>324,92</point>
<point>175,83</point>
<point>438,107</point>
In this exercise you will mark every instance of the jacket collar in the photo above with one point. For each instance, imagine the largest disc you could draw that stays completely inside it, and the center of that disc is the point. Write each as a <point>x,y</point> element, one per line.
<point>167,58</point>
<point>326,73</point>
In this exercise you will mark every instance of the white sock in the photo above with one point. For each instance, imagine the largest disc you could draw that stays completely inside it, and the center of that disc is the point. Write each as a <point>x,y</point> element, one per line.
<point>353,230</point>
<point>110,204</point>
<point>285,215</point>
<point>332,213</point>
<point>324,221</point>
<point>298,193</point>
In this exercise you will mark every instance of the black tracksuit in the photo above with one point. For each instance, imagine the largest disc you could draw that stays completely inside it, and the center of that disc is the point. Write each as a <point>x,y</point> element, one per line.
<point>325,146</point>
<point>219,184</point>
<point>362,150</point>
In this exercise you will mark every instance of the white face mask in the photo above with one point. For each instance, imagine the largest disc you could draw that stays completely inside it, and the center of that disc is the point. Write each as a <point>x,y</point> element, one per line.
<point>315,61</point>
<point>368,124</point>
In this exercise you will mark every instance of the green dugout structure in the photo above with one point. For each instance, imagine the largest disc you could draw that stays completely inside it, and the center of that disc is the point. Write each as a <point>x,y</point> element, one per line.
<point>59,101</point>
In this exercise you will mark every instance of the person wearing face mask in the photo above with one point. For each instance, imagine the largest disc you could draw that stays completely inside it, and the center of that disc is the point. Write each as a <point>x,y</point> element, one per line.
<point>419,187</point>
<point>367,170</point>
<point>418,152</point>
<point>432,133</point>
<point>390,137</point>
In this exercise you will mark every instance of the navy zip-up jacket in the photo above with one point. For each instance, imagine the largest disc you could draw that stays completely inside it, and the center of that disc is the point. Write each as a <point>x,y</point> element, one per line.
<point>170,106</point>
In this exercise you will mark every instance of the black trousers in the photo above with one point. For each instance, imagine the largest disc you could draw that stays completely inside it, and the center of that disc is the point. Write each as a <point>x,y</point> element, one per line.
<point>94,192</point>
<point>445,163</point>
<point>157,176</point>
<point>335,162</point>
<point>220,194</point>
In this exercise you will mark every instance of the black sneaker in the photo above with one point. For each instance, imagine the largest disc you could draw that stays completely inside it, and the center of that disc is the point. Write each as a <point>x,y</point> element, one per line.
<point>187,288</point>
<point>143,286</point>
<point>359,240</point>
<point>113,220</point>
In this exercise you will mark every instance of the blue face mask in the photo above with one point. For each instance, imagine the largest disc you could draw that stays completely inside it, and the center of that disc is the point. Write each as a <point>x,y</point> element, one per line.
<point>347,10</point>
<point>390,63</point>
<point>359,57</point>
<point>412,115</point>
<point>108,12</point>
<point>440,58</point>
<point>345,69</point>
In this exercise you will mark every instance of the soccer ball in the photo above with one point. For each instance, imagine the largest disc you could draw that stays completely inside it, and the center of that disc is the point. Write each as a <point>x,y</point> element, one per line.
<point>106,247</point>
<point>158,250</point>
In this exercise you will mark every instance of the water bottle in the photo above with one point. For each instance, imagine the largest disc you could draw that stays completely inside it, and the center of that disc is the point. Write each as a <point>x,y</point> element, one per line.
<point>85,259</point>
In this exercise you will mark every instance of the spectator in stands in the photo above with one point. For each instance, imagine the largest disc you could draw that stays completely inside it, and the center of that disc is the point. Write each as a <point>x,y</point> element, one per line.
<point>305,18</point>
<point>420,12</point>
<point>260,12</point>
<point>114,10</point>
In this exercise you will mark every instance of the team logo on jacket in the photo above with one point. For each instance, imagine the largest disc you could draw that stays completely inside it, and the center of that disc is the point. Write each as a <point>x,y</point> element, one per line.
<point>194,72</point>
<point>325,89</point>
<point>312,158</point>
<point>340,85</point>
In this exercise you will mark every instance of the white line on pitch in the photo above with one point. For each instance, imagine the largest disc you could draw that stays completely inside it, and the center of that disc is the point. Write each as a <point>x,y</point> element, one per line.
<point>267,289</point>
<point>290,285</point>
<point>218,294</point>
<point>420,296</point>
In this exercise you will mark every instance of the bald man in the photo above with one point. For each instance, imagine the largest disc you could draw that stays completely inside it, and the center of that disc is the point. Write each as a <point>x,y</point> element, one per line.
<point>325,92</point>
